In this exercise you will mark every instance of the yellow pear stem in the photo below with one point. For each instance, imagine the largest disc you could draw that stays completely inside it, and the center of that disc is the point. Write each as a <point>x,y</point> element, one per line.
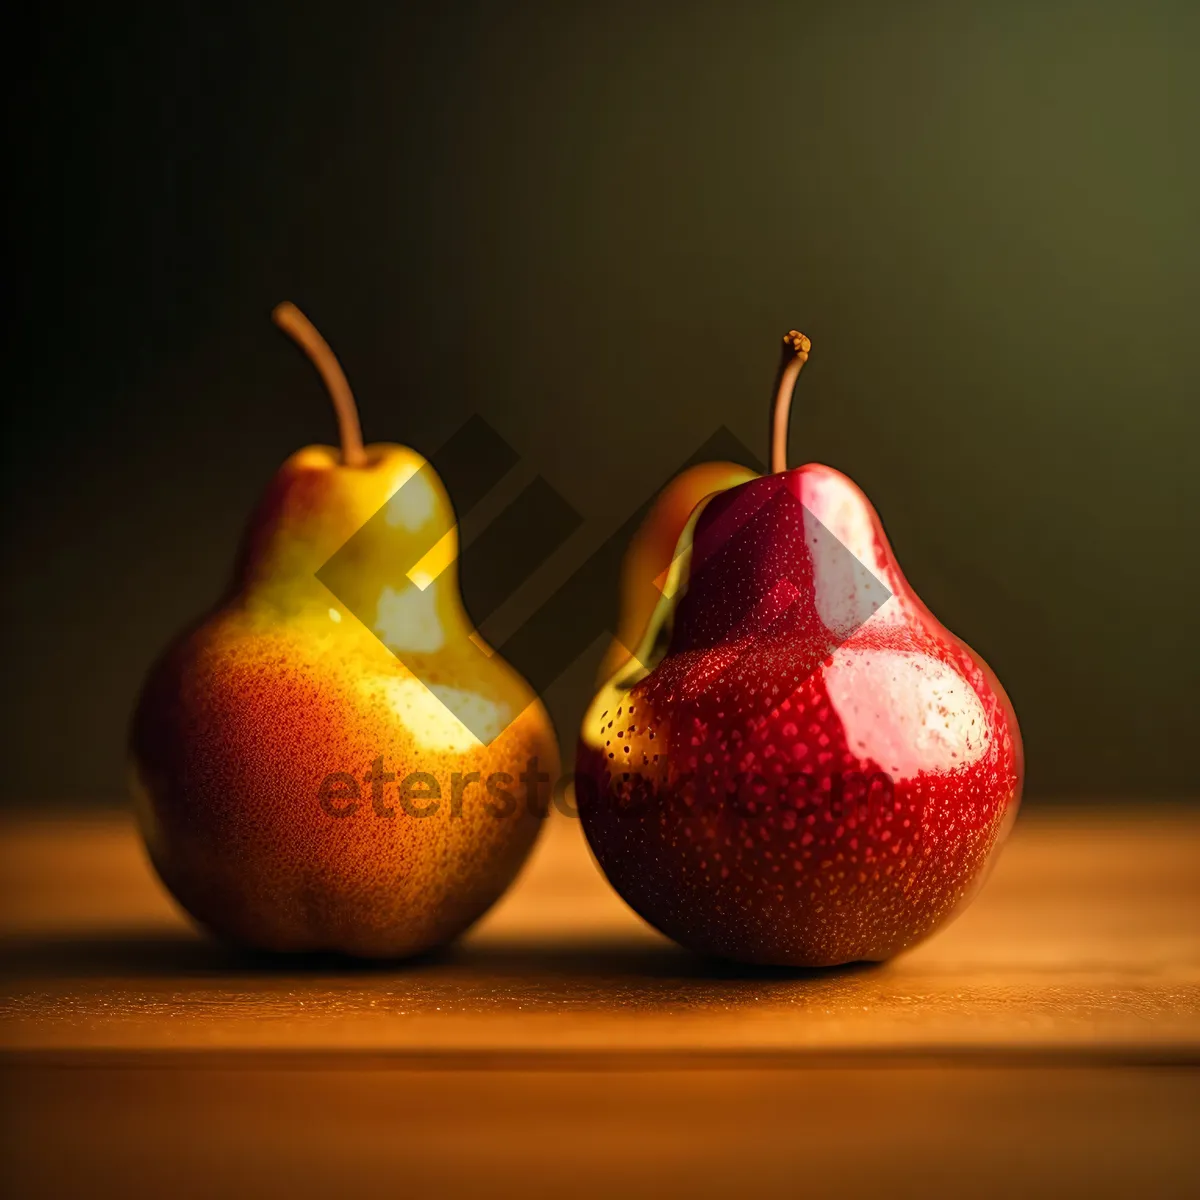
<point>795,354</point>
<point>304,333</point>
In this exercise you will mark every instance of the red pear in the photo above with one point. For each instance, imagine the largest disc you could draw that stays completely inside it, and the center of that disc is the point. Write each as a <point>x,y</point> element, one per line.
<point>801,766</point>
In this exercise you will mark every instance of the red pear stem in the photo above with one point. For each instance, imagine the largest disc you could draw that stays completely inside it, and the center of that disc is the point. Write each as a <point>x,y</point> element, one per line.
<point>304,333</point>
<point>795,354</point>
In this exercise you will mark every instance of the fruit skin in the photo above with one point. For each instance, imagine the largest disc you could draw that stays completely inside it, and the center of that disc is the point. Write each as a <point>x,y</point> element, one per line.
<point>649,556</point>
<point>247,714</point>
<point>729,787</point>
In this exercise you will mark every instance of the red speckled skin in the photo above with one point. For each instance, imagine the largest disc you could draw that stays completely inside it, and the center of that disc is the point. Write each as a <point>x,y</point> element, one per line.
<point>245,716</point>
<point>801,780</point>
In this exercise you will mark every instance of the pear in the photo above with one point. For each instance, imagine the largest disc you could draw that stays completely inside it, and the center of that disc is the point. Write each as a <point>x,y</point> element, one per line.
<point>352,771</point>
<point>799,766</point>
<point>648,559</point>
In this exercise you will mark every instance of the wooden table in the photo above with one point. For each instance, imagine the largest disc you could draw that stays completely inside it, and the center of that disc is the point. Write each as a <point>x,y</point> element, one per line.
<point>1047,1041</point>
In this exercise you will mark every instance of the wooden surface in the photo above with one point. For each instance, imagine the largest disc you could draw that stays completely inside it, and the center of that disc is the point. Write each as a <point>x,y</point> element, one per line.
<point>1050,1039</point>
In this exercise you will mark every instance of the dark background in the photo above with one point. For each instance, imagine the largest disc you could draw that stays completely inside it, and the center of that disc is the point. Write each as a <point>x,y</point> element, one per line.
<point>590,223</point>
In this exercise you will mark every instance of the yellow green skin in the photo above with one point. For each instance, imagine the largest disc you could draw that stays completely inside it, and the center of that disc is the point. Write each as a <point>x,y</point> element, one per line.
<point>648,559</point>
<point>246,718</point>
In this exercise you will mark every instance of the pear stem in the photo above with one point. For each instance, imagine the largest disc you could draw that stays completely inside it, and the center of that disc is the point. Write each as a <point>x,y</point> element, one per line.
<point>304,333</point>
<point>795,354</point>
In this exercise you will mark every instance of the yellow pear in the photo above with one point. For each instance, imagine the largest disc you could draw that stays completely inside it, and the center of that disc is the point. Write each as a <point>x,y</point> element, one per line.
<point>349,770</point>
